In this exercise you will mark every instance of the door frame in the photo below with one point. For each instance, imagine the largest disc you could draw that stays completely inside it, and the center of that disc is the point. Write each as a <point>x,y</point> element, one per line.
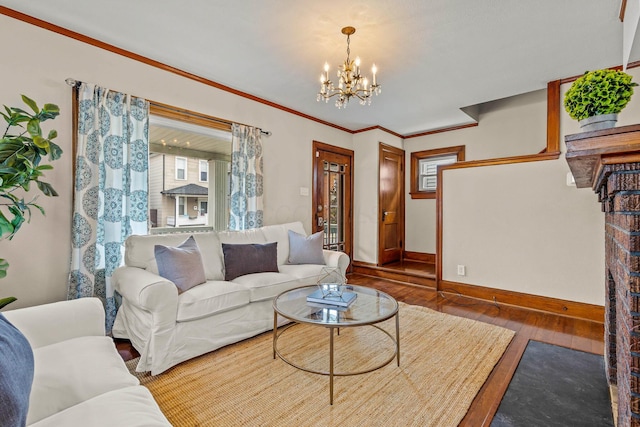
<point>321,146</point>
<point>389,148</point>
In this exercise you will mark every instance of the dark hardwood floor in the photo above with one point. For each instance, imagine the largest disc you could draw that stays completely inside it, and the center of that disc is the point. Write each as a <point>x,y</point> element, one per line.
<point>528,324</point>
<point>413,267</point>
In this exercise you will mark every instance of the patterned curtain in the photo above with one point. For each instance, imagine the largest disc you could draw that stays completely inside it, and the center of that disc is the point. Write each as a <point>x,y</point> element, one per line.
<point>246,178</point>
<point>111,189</point>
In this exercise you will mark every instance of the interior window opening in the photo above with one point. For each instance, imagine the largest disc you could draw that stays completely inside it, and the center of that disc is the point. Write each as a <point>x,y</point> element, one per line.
<point>188,176</point>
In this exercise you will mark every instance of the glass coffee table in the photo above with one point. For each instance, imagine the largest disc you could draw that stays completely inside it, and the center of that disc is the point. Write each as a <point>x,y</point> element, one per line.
<point>370,308</point>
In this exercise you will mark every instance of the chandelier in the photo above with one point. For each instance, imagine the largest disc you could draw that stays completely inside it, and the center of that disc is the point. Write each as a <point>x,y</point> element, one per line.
<point>350,81</point>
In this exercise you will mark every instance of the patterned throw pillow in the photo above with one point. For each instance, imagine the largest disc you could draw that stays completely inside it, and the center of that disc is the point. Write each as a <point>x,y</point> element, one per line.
<point>182,265</point>
<point>249,258</point>
<point>16,375</point>
<point>305,250</point>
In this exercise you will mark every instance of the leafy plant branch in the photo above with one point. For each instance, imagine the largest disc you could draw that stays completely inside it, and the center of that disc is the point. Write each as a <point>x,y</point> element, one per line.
<point>22,148</point>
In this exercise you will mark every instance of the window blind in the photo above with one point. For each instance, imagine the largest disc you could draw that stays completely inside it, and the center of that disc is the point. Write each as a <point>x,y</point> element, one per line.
<point>429,171</point>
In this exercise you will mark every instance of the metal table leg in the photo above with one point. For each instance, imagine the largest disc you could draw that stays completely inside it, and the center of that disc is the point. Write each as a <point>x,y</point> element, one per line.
<point>331,366</point>
<point>398,337</point>
<point>275,331</point>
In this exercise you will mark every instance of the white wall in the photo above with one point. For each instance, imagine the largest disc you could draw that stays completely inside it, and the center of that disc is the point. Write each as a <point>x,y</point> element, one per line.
<point>366,146</point>
<point>507,127</point>
<point>39,254</point>
<point>519,227</point>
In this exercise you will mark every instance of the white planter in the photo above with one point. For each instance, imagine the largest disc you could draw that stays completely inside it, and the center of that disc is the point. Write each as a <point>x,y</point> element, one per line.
<point>602,121</point>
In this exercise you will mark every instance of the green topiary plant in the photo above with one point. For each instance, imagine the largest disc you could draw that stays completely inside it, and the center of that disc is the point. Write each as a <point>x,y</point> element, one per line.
<point>598,92</point>
<point>22,147</point>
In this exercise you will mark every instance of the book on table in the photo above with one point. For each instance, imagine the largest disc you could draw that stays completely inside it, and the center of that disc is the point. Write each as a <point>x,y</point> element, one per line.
<point>343,300</point>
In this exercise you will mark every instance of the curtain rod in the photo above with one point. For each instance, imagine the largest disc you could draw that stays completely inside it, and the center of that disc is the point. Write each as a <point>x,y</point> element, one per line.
<point>75,83</point>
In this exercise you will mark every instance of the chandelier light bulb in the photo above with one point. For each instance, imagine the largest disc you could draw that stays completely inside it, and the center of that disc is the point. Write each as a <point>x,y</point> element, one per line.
<point>350,82</point>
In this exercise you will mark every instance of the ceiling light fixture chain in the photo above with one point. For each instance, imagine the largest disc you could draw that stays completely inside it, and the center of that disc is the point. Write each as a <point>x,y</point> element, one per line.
<point>350,82</point>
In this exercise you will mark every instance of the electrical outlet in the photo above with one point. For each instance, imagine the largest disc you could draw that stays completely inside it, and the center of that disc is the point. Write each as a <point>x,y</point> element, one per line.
<point>571,181</point>
<point>462,270</point>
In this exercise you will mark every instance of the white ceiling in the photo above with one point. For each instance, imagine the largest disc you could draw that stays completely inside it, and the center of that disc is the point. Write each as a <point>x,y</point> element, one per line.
<point>433,56</point>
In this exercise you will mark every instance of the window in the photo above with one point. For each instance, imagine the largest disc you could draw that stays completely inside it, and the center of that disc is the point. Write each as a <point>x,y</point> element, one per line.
<point>204,171</point>
<point>424,169</point>
<point>428,174</point>
<point>181,168</point>
<point>189,158</point>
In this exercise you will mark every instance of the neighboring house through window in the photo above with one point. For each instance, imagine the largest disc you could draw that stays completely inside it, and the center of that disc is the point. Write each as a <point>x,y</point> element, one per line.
<point>188,174</point>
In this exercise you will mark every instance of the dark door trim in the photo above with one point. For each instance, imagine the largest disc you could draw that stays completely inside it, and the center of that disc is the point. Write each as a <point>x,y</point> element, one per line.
<point>321,146</point>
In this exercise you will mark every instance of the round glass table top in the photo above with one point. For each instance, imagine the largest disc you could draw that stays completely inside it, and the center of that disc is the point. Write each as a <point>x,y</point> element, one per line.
<point>370,306</point>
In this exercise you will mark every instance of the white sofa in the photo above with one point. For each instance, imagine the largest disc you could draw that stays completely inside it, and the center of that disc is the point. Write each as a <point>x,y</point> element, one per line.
<point>79,377</point>
<point>168,328</point>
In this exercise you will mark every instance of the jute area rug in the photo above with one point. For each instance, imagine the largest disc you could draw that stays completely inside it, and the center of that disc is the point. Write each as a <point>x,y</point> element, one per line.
<point>444,361</point>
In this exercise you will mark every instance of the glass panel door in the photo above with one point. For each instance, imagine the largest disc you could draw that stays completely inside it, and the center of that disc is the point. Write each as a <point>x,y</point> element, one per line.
<point>332,196</point>
<point>334,205</point>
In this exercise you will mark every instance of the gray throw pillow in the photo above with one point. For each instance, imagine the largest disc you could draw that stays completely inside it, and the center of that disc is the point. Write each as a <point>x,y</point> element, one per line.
<point>182,265</point>
<point>249,258</point>
<point>305,250</point>
<point>16,375</point>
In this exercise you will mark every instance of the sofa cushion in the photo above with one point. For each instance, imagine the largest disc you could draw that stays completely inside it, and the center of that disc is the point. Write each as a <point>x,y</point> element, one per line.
<point>182,264</point>
<point>211,298</point>
<point>131,406</point>
<point>249,258</point>
<point>264,286</point>
<point>311,271</point>
<point>16,374</point>
<point>253,235</point>
<point>139,251</point>
<point>280,233</point>
<point>72,371</point>
<point>305,249</point>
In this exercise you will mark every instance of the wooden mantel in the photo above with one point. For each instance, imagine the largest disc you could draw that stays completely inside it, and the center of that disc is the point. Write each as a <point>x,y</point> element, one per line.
<point>587,152</point>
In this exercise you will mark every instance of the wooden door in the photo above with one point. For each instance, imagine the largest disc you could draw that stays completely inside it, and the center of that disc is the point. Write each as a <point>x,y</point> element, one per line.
<point>332,196</point>
<point>391,205</point>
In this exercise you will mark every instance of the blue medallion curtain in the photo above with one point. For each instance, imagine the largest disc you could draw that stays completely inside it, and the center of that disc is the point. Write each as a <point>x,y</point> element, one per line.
<point>246,178</point>
<point>111,188</point>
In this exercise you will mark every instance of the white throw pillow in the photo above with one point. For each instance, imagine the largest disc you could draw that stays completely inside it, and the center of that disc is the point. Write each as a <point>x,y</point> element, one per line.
<point>182,265</point>
<point>305,250</point>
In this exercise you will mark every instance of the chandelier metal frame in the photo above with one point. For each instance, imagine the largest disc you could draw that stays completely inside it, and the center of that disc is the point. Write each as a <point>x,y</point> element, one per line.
<point>350,82</point>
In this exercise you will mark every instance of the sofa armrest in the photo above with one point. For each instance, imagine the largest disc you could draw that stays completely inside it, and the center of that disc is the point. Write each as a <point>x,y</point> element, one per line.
<point>336,259</point>
<point>145,289</point>
<point>59,321</point>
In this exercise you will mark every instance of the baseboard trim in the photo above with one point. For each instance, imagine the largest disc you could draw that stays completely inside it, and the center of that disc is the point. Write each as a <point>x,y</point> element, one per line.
<point>369,269</point>
<point>580,310</point>
<point>420,257</point>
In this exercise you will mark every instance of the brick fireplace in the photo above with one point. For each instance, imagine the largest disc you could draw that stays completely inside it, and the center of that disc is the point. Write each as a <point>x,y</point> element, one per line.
<point>608,161</point>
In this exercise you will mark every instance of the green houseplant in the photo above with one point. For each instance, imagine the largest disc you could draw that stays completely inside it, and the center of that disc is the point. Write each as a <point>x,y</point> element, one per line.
<point>598,94</point>
<point>22,148</point>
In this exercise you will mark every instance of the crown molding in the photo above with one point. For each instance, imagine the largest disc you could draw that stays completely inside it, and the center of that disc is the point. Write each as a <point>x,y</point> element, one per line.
<point>157,64</point>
